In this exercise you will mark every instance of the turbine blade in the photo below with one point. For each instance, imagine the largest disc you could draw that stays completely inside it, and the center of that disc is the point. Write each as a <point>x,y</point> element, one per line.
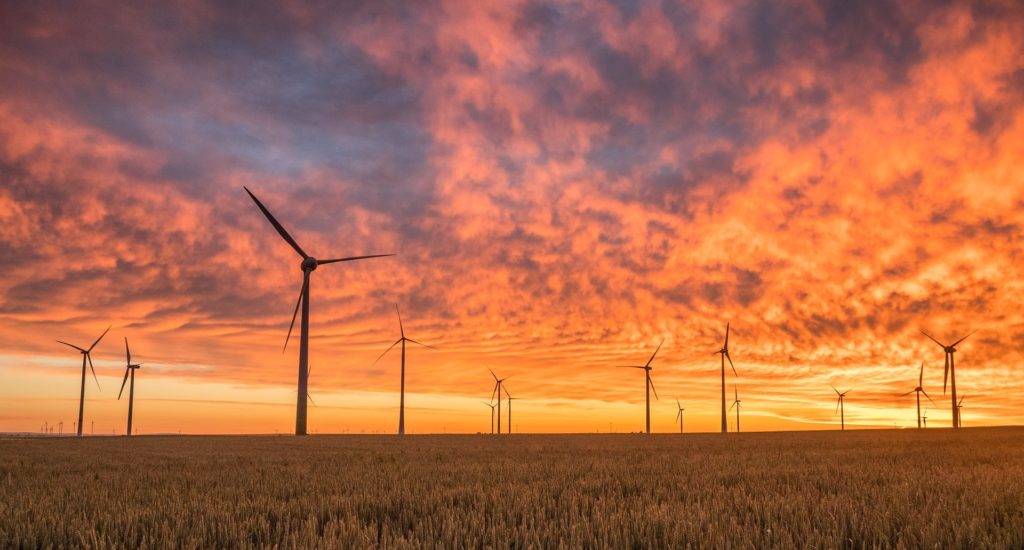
<point>385,352</point>
<point>273,221</point>
<point>351,258</point>
<point>123,383</point>
<point>945,375</point>
<point>401,328</point>
<point>420,343</point>
<point>305,281</point>
<point>71,345</point>
<point>932,339</point>
<point>953,345</point>
<point>89,357</point>
<point>655,353</point>
<point>730,364</point>
<point>928,396</point>
<point>98,339</point>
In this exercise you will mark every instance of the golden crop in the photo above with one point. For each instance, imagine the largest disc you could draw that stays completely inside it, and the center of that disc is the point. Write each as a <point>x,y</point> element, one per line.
<point>910,488</point>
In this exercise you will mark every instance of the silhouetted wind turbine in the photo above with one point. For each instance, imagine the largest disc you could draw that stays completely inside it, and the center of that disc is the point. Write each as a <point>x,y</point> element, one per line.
<point>648,383</point>
<point>491,405</point>
<point>725,355</point>
<point>841,407</point>
<point>497,392</point>
<point>308,265</point>
<point>950,372</point>
<point>736,403</point>
<point>679,416</point>
<point>129,369</point>
<point>919,390</point>
<point>402,340</point>
<point>86,357</point>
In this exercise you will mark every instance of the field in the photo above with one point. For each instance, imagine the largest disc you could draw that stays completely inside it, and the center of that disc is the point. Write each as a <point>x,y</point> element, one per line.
<point>932,488</point>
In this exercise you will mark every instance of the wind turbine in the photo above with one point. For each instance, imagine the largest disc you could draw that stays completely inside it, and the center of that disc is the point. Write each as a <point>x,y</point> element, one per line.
<point>129,369</point>
<point>497,392</point>
<point>308,265</point>
<point>510,398</point>
<point>402,340</point>
<point>919,390</point>
<point>86,357</point>
<point>841,407</point>
<point>648,384</point>
<point>950,373</point>
<point>491,405</point>
<point>679,416</point>
<point>960,405</point>
<point>736,403</point>
<point>725,355</point>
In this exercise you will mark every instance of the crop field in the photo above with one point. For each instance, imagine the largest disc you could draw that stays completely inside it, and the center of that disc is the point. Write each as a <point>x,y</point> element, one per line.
<point>909,488</point>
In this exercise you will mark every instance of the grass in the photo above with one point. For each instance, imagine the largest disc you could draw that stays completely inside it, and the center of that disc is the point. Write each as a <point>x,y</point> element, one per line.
<point>913,489</point>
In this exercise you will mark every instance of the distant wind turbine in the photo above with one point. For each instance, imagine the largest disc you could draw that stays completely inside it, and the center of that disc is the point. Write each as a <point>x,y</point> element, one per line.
<point>491,405</point>
<point>841,407</point>
<point>724,352</point>
<point>497,392</point>
<point>86,357</point>
<point>736,403</point>
<point>919,390</point>
<point>679,415</point>
<point>950,372</point>
<point>402,340</point>
<point>308,265</point>
<point>648,383</point>
<point>129,369</point>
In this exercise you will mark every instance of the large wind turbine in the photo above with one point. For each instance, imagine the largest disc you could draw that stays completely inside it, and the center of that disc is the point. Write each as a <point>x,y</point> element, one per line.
<point>491,405</point>
<point>919,390</point>
<point>679,415</point>
<point>402,340</point>
<point>308,265</point>
<point>648,384</point>
<point>86,357</point>
<point>724,352</point>
<point>497,392</point>
<point>950,373</point>
<point>736,403</point>
<point>841,407</point>
<point>129,369</point>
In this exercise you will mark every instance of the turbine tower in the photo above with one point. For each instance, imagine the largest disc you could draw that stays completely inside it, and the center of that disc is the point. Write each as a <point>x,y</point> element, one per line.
<point>724,352</point>
<point>86,357</point>
<point>491,405</point>
<point>919,390</point>
<point>129,369</point>
<point>648,383</point>
<point>308,265</point>
<point>841,407</point>
<point>736,403</point>
<point>679,415</point>
<point>950,373</point>
<point>402,340</point>
<point>497,392</point>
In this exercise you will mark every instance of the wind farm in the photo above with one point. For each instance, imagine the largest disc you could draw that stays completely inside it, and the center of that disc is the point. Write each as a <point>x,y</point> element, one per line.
<point>563,201</point>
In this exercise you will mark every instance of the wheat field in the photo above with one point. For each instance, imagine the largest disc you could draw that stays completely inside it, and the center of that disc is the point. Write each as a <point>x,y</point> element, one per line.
<point>905,489</point>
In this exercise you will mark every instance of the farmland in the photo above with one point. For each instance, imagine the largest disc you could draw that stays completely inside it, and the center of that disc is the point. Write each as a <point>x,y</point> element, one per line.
<point>856,489</point>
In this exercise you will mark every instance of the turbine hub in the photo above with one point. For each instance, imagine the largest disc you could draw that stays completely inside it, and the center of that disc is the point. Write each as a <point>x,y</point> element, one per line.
<point>309,264</point>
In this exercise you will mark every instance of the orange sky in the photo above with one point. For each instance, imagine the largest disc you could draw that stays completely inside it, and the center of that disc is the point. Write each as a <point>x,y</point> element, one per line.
<point>565,186</point>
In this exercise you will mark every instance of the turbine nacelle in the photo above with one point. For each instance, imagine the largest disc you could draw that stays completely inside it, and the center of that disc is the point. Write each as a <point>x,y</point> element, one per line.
<point>309,264</point>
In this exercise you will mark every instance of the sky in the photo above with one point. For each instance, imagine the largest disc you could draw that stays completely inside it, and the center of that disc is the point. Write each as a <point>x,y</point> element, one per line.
<point>565,185</point>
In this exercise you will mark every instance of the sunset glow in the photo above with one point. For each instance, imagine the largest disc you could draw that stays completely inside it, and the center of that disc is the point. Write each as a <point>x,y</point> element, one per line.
<point>565,186</point>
